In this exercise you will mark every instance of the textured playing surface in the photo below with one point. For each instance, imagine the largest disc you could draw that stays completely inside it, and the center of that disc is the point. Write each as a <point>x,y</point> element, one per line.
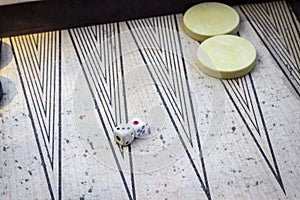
<point>8,2</point>
<point>65,91</point>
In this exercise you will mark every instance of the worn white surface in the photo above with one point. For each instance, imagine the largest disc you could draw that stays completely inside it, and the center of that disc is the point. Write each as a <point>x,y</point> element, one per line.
<point>7,2</point>
<point>80,82</point>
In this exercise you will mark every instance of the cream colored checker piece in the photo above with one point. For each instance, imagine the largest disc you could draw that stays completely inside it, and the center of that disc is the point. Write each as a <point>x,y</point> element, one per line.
<point>226,56</point>
<point>205,20</point>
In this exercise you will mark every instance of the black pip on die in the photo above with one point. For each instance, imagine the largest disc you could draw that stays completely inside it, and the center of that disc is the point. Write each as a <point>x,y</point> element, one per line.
<point>124,134</point>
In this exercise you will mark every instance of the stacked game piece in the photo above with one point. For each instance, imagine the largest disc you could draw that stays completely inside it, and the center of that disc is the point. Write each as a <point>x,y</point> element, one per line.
<point>221,54</point>
<point>124,134</point>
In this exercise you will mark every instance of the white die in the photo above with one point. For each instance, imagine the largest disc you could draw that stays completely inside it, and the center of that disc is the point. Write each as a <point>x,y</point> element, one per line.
<point>124,134</point>
<point>140,128</point>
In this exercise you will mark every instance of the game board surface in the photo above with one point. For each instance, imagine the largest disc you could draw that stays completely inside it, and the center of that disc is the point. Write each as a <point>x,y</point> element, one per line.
<point>65,91</point>
<point>9,2</point>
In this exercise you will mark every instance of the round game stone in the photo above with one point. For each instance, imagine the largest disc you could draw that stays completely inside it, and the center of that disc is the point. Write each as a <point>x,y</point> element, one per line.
<point>205,20</point>
<point>226,56</point>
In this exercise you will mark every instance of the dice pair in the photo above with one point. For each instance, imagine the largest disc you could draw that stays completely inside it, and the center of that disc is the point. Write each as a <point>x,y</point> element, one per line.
<point>124,134</point>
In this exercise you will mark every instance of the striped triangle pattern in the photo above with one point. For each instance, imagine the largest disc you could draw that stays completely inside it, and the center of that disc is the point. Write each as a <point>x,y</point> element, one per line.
<point>242,94</point>
<point>98,49</point>
<point>279,30</point>
<point>159,44</point>
<point>37,59</point>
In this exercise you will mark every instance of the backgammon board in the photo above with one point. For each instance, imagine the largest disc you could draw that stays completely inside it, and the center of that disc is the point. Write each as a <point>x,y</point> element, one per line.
<point>65,91</point>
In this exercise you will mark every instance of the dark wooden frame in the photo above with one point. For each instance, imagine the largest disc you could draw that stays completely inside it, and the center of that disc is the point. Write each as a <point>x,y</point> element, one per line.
<point>40,16</point>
